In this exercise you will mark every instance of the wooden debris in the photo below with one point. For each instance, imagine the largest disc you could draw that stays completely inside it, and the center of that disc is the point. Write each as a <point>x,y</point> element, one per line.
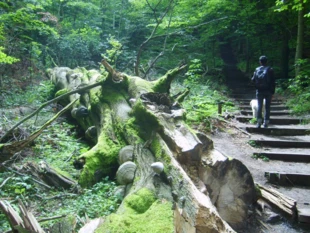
<point>49,175</point>
<point>26,223</point>
<point>284,203</point>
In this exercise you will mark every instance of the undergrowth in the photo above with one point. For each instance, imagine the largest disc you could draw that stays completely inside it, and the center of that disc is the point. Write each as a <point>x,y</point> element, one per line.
<point>206,92</point>
<point>58,145</point>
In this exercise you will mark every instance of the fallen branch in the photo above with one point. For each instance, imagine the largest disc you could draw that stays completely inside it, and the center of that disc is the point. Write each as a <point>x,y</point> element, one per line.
<point>12,148</point>
<point>6,180</point>
<point>51,218</point>
<point>21,174</point>
<point>286,204</point>
<point>236,127</point>
<point>24,223</point>
<point>48,103</point>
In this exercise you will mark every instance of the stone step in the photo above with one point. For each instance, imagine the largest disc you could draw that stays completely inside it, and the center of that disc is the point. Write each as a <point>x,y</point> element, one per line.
<point>247,101</point>
<point>278,131</point>
<point>280,143</point>
<point>285,156</point>
<point>272,112</point>
<point>274,107</point>
<point>273,120</point>
<point>288,179</point>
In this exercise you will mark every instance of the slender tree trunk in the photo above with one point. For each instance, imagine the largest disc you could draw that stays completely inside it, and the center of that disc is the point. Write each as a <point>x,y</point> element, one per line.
<point>285,56</point>
<point>300,33</point>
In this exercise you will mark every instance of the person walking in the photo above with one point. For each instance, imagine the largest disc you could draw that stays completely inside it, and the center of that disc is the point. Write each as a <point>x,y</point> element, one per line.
<point>264,81</point>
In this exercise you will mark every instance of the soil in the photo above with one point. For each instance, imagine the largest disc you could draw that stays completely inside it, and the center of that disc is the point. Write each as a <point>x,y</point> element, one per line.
<point>233,143</point>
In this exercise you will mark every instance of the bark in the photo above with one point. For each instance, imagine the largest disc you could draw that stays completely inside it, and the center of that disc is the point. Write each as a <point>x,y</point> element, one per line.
<point>25,222</point>
<point>300,37</point>
<point>128,111</point>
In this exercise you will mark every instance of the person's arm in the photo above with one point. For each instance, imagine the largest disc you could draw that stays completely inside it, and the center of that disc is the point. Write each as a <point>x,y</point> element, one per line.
<point>272,81</point>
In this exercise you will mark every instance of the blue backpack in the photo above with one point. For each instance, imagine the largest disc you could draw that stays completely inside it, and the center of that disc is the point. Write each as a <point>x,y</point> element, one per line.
<point>261,78</point>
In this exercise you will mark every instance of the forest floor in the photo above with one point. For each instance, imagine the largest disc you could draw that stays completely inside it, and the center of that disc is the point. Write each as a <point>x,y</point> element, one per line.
<point>233,143</point>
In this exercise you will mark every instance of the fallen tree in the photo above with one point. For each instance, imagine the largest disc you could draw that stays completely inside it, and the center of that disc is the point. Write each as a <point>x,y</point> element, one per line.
<point>171,176</point>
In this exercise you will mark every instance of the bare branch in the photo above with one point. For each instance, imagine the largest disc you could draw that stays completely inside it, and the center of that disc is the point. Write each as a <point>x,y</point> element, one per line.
<point>150,37</point>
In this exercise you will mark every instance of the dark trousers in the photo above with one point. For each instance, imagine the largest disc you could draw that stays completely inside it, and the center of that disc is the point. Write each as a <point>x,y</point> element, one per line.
<point>260,98</point>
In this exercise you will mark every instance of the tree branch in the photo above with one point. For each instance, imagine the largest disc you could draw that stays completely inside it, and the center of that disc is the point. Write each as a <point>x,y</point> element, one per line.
<point>150,37</point>
<point>47,103</point>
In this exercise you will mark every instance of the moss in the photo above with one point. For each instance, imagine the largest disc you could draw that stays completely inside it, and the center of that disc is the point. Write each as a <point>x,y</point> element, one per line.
<point>258,191</point>
<point>156,218</point>
<point>137,86</point>
<point>145,118</point>
<point>131,129</point>
<point>141,201</point>
<point>61,92</point>
<point>163,84</point>
<point>102,157</point>
<point>158,152</point>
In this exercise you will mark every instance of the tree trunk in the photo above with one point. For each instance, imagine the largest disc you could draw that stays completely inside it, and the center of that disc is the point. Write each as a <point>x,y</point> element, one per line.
<point>300,37</point>
<point>136,128</point>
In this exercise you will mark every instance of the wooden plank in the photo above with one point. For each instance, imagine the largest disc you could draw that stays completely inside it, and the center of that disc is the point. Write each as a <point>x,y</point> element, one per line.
<point>278,131</point>
<point>284,203</point>
<point>290,157</point>
<point>274,120</point>
<point>303,215</point>
<point>288,179</point>
<point>282,143</point>
<point>272,113</point>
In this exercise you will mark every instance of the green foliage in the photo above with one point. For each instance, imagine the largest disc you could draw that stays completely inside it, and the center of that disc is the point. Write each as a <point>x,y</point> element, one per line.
<point>295,5</point>
<point>58,146</point>
<point>114,52</point>
<point>260,156</point>
<point>5,59</point>
<point>34,95</point>
<point>299,87</point>
<point>253,143</point>
<point>206,91</point>
<point>17,186</point>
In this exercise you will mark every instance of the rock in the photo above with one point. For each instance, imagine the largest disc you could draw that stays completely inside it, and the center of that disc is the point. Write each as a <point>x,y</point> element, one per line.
<point>126,173</point>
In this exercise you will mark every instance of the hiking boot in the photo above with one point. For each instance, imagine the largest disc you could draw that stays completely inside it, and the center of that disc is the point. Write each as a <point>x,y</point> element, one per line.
<point>259,123</point>
<point>265,125</point>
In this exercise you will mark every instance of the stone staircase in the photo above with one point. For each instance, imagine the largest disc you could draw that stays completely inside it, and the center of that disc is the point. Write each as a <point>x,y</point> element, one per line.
<point>287,139</point>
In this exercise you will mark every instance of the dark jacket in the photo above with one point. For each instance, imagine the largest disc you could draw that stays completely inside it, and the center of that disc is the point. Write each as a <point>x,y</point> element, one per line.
<point>272,85</point>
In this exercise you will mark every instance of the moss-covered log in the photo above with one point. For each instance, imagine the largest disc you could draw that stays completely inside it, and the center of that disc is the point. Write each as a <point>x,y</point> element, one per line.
<point>127,110</point>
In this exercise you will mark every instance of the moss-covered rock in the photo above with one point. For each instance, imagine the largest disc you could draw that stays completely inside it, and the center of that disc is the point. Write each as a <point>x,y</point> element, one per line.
<point>143,213</point>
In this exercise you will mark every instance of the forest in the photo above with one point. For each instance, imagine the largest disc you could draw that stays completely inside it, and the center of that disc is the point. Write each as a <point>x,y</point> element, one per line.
<point>78,83</point>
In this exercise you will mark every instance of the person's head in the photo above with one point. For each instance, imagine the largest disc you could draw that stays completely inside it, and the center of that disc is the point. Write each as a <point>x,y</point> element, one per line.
<point>263,60</point>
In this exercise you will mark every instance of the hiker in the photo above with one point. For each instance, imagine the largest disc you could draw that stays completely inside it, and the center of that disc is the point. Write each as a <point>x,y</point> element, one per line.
<point>264,81</point>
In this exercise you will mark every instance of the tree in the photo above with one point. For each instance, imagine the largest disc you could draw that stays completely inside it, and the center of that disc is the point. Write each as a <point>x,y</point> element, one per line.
<point>299,6</point>
<point>130,112</point>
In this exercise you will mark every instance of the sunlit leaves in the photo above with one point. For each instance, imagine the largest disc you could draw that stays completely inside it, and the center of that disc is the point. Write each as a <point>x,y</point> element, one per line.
<point>5,59</point>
